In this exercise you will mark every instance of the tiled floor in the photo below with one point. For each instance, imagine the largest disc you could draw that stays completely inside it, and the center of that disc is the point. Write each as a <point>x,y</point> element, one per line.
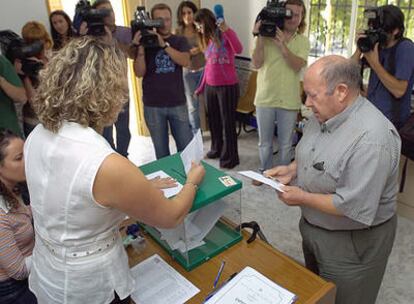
<point>279,222</point>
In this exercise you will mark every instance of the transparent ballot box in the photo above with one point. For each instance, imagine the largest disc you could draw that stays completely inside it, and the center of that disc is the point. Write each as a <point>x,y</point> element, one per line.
<point>211,225</point>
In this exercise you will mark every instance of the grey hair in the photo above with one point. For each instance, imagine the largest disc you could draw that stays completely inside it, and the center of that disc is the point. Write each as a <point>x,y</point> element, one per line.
<point>340,70</point>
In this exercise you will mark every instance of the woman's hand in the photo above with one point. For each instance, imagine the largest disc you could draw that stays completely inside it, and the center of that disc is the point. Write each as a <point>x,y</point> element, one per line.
<point>163,183</point>
<point>196,174</point>
<point>223,26</point>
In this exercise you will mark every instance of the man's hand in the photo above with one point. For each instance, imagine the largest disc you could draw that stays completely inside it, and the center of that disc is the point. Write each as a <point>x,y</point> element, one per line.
<point>372,56</point>
<point>284,174</point>
<point>163,183</point>
<point>161,41</point>
<point>292,195</point>
<point>137,38</point>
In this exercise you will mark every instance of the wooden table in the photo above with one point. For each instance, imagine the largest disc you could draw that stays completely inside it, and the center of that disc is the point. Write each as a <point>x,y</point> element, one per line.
<point>283,270</point>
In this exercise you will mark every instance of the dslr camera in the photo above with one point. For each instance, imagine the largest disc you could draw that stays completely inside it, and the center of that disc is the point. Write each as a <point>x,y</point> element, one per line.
<point>14,47</point>
<point>93,17</point>
<point>375,33</point>
<point>142,22</point>
<point>273,16</point>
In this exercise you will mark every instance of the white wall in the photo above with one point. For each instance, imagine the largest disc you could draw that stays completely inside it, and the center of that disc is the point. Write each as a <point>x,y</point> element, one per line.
<point>240,16</point>
<point>15,13</point>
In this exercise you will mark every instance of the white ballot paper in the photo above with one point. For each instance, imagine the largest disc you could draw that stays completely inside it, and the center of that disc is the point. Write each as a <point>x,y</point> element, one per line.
<point>159,283</point>
<point>168,192</point>
<point>251,287</point>
<point>265,180</point>
<point>197,225</point>
<point>193,151</point>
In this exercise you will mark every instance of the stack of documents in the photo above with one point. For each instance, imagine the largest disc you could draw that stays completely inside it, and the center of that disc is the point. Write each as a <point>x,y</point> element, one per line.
<point>251,287</point>
<point>159,283</point>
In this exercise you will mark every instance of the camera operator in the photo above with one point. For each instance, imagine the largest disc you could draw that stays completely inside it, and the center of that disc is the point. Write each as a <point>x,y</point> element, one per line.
<point>11,87</point>
<point>11,91</point>
<point>279,60</point>
<point>162,85</point>
<point>392,66</point>
<point>122,35</point>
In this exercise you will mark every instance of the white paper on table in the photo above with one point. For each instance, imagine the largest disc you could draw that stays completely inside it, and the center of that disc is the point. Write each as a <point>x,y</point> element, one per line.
<point>251,287</point>
<point>193,152</point>
<point>168,192</point>
<point>197,225</point>
<point>265,180</point>
<point>159,283</point>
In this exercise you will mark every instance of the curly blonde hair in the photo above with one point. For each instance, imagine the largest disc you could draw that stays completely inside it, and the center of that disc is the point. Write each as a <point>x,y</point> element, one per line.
<point>85,82</point>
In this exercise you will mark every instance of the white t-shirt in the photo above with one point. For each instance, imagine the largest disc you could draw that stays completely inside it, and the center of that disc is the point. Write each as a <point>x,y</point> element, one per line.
<point>78,256</point>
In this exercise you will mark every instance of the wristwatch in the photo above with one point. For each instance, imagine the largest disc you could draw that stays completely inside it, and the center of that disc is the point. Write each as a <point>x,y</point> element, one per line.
<point>166,45</point>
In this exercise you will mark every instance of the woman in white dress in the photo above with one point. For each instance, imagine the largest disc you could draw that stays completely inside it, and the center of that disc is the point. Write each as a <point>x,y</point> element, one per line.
<point>80,188</point>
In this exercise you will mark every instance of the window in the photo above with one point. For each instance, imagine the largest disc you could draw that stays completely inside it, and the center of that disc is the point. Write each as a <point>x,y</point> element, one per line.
<point>332,23</point>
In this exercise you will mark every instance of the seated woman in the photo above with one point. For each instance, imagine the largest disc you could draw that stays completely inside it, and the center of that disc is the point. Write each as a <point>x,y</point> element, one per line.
<point>61,29</point>
<point>16,230</point>
<point>80,188</point>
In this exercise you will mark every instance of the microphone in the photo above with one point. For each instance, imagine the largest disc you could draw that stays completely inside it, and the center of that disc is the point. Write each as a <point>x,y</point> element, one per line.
<point>219,13</point>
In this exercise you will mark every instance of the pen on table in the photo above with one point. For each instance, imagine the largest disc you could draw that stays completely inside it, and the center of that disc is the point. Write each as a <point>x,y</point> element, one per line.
<point>219,274</point>
<point>211,294</point>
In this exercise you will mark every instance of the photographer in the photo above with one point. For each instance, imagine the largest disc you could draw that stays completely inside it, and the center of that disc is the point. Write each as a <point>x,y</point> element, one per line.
<point>11,91</point>
<point>392,65</point>
<point>279,60</point>
<point>162,85</point>
<point>122,35</point>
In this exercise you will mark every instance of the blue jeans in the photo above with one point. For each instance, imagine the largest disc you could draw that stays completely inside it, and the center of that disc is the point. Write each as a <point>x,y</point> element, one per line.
<point>157,120</point>
<point>123,135</point>
<point>191,82</point>
<point>266,119</point>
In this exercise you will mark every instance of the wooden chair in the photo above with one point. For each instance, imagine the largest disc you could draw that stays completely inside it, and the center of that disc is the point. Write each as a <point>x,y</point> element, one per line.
<point>245,106</point>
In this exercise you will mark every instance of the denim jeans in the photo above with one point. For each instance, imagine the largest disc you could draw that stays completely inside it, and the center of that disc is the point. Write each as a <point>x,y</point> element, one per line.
<point>266,119</point>
<point>123,135</point>
<point>191,82</point>
<point>158,119</point>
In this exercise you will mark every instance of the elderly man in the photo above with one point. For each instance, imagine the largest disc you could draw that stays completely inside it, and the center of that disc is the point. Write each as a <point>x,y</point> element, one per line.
<point>345,177</point>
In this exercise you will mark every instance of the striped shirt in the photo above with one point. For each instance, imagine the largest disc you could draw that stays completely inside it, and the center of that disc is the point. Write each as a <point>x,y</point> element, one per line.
<point>355,157</point>
<point>16,241</point>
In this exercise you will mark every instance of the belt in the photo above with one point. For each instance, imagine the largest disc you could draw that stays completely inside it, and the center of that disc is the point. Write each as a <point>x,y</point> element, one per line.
<point>98,246</point>
<point>342,230</point>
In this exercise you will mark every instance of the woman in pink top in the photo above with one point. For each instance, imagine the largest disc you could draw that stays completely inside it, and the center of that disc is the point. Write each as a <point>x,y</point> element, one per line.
<point>220,85</point>
<point>16,230</point>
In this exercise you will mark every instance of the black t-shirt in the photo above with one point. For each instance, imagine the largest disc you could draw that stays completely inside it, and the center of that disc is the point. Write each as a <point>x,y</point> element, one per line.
<point>163,84</point>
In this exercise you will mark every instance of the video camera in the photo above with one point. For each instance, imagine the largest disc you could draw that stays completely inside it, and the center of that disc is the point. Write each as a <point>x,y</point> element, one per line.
<point>273,16</point>
<point>14,47</point>
<point>93,17</point>
<point>142,22</point>
<point>375,33</point>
